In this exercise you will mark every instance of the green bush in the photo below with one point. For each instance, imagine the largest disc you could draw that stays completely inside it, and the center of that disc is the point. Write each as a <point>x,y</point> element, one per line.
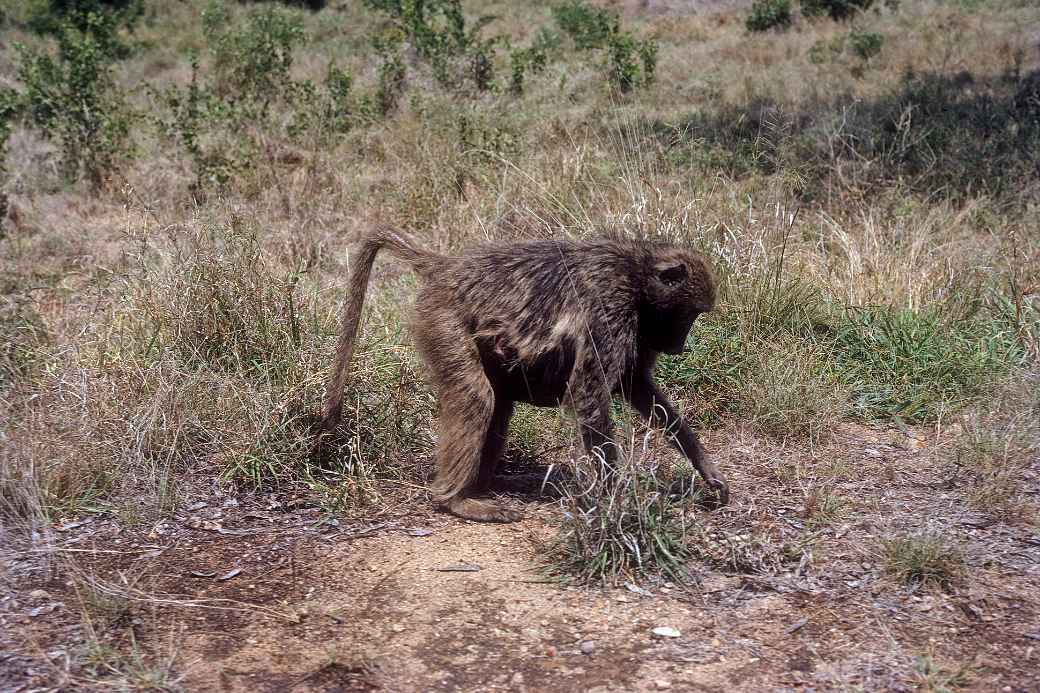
<point>9,108</point>
<point>589,26</point>
<point>100,18</point>
<point>631,62</point>
<point>73,98</point>
<point>532,59</point>
<point>866,44</point>
<point>191,113</point>
<point>438,32</point>
<point>252,62</point>
<point>769,14</point>
<point>918,365</point>
<point>837,10</point>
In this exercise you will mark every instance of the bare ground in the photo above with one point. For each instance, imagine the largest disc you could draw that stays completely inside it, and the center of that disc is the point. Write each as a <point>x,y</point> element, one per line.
<point>385,602</point>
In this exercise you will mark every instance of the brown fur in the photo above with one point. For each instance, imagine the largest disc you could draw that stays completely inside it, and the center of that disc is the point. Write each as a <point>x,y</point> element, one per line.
<point>543,322</point>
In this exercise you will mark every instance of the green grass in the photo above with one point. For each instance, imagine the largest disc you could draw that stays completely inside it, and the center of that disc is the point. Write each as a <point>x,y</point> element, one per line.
<point>927,559</point>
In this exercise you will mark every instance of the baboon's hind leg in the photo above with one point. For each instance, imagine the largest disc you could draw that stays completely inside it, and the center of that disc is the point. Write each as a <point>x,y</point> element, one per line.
<point>467,408</point>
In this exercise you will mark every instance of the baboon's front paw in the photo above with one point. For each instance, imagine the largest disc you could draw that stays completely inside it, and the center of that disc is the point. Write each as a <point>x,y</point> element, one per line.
<point>505,515</point>
<point>483,512</point>
<point>718,492</point>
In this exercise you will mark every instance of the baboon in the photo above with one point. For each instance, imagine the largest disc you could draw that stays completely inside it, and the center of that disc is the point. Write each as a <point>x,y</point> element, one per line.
<point>545,322</point>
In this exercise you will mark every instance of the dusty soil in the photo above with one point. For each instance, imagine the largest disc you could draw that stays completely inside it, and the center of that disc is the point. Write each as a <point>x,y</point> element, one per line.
<point>418,601</point>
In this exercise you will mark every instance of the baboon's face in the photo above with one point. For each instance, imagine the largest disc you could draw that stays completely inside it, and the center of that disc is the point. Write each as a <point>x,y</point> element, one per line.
<point>680,288</point>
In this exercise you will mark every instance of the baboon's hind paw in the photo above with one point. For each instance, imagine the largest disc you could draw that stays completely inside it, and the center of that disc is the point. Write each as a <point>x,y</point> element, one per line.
<point>482,512</point>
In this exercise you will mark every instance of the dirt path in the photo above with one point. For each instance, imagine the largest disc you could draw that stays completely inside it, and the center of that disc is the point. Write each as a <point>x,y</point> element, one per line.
<point>381,612</point>
<point>265,594</point>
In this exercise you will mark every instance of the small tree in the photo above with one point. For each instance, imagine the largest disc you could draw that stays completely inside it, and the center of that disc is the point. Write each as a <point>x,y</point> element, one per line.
<point>74,98</point>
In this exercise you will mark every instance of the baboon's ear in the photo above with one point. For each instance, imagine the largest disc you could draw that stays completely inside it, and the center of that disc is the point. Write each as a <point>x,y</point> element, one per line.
<point>672,275</point>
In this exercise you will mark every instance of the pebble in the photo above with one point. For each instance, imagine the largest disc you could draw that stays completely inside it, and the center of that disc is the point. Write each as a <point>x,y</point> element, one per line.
<point>517,680</point>
<point>397,628</point>
<point>587,647</point>
<point>666,632</point>
<point>39,594</point>
<point>662,685</point>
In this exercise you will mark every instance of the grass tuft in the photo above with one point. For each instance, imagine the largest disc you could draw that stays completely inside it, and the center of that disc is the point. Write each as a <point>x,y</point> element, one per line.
<point>927,560</point>
<point>620,524</point>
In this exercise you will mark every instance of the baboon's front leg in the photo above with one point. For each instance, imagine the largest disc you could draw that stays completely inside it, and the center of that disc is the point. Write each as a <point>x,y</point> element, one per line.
<point>654,407</point>
<point>494,443</point>
<point>589,398</point>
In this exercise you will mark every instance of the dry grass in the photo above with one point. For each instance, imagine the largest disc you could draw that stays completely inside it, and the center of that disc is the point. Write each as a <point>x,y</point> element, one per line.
<point>872,223</point>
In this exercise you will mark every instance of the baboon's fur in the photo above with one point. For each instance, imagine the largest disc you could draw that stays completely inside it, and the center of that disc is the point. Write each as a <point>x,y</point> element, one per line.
<point>543,322</point>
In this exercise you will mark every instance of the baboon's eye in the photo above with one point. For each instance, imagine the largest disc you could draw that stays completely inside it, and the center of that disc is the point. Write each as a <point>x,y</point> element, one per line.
<point>673,275</point>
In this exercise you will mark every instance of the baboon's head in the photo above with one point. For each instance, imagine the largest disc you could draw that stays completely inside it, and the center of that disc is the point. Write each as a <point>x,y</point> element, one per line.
<point>679,286</point>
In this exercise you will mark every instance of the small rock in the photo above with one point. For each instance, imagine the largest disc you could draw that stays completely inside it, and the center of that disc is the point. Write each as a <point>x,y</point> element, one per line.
<point>39,594</point>
<point>459,568</point>
<point>587,647</point>
<point>638,590</point>
<point>662,685</point>
<point>517,680</point>
<point>666,632</point>
<point>397,628</point>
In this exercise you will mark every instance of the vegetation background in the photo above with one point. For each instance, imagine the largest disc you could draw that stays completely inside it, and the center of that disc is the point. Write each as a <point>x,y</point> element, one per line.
<point>180,183</point>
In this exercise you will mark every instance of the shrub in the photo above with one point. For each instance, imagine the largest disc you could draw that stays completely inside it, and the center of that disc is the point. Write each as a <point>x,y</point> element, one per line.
<point>769,14</point>
<point>532,59</point>
<point>73,98</point>
<point>631,62</point>
<point>102,19</point>
<point>438,32</point>
<point>866,44</point>
<point>837,10</point>
<point>9,107</point>
<point>252,62</point>
<point>251,85</point>
<point>588,26</point>
<point>392,74</point>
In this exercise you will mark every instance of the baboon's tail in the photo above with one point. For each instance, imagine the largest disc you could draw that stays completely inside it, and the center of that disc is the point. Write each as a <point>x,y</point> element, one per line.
<point>398,245</point>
